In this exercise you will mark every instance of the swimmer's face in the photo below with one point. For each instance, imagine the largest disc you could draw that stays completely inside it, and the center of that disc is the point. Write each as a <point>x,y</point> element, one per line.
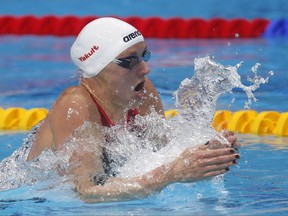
<point>127,81</point>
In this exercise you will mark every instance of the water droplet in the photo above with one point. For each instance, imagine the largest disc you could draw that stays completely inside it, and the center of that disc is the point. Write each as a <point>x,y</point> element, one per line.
<point>199,196</point>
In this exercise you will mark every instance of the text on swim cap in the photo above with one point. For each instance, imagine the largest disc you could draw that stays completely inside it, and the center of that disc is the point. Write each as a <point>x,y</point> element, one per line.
<point>131,36</point>
<point>90,53</point>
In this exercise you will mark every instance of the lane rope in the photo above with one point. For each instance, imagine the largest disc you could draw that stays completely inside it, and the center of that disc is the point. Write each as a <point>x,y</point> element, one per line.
<point>151,27</point>
<point>242,121</point>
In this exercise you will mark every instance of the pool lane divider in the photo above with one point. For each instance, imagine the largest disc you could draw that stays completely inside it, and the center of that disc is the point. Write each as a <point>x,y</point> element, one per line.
<point>242,121</point>
<point>17,118</point>
<point>150,27</point>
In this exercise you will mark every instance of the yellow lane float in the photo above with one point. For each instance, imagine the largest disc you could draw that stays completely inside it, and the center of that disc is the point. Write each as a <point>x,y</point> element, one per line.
<point>248,121</point>
<point>16,118</point>
<point>242,121</point>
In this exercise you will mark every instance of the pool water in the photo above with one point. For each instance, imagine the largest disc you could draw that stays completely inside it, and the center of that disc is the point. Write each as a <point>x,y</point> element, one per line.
<point>34,70</point>
<point>272,9</point>
<point>257,185</point>
<point>43,69</point>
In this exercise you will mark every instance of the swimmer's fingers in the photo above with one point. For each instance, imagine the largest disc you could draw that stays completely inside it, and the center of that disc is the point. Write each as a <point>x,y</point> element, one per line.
<point>214,144</point>
<point>212,153</point>
<point>230,141</point>
<point>215,161</point>
<point>215,173</point>
<point>218,169</point>
<point>215,157</point>
<point>227,133</point>
<point>236,146</point>
<point>234,142</point>
<point>218,166</point>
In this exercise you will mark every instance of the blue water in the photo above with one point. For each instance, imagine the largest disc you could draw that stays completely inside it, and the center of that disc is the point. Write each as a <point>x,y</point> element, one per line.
<point>270,9</point>
<point>34,70</point>
<point>43,68</point>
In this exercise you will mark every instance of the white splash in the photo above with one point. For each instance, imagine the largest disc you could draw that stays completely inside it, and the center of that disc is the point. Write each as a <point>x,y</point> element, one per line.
<point>196,101</point>
<point>196,98</point>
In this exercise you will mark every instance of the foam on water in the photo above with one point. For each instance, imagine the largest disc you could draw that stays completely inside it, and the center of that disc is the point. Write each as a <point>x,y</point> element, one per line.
<point>159,141</point>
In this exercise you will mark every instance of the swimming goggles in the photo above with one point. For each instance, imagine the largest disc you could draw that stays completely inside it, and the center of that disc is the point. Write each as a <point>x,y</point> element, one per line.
<point>131,61</point>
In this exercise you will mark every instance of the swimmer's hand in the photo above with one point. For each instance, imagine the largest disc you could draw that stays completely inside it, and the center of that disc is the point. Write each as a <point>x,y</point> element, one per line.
<point>198,164</point>
<point>225,139</point>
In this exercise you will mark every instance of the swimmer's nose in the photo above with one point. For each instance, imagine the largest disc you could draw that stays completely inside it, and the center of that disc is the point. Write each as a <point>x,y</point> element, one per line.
<point>143,68</point>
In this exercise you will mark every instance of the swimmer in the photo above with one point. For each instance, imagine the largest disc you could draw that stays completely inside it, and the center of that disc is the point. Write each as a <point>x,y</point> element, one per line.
<point>112,58</point>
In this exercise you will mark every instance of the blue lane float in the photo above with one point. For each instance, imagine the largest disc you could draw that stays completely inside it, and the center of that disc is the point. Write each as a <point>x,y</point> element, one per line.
<point>277,28</point>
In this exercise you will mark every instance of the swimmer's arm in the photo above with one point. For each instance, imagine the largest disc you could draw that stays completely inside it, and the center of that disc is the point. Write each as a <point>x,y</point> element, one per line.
<point>122,189</point>
<point>192,165</point>
<point>152,99</point>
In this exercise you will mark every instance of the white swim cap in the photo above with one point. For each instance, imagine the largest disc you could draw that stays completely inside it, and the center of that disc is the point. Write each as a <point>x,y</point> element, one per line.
<point>101,41</point>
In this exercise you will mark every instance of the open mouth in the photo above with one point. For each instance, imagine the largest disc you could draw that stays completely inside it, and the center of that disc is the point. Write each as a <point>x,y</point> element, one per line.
<point>139,87</point>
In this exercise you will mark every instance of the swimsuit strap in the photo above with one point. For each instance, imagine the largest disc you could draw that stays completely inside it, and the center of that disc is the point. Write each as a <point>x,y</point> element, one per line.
<point>105,120</point>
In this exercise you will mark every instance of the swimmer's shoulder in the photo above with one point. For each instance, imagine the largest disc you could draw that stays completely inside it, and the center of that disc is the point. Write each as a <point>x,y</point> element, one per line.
<point>77,99</point>
<point>73,95</point>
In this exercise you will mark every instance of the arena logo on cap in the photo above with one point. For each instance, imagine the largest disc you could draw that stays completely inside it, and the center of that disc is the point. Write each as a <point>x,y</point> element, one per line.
<point>131,36</point>
<point>90,53</point>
